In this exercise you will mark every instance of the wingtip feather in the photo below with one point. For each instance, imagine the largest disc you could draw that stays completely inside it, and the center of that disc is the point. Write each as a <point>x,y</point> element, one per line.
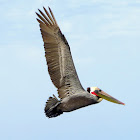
<point>49,16</point>
<point>52,16</point>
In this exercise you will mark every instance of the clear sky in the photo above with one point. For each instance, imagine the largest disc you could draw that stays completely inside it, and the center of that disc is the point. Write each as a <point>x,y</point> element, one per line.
<point>104,36</point>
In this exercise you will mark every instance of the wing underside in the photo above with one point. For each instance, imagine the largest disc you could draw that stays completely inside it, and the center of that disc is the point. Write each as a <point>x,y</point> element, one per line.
<point>57,52</point>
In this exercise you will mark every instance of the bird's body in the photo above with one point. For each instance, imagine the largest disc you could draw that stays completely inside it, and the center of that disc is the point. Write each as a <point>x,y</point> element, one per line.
<point>70,103</point>
<point>77,101</point>
<point>63,73</point>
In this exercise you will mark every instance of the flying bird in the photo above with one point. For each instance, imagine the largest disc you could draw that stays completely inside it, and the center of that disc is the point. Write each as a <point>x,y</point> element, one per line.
<point>63,73</point>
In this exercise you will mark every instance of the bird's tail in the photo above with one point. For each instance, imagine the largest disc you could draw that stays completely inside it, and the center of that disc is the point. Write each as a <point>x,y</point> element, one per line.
<point>51,107</point>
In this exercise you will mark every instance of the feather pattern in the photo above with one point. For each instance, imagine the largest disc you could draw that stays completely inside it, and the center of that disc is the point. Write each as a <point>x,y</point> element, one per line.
<point>59,60</point>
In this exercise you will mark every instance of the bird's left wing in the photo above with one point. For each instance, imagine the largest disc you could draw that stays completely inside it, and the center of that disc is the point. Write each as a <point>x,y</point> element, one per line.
<point>57,52</point>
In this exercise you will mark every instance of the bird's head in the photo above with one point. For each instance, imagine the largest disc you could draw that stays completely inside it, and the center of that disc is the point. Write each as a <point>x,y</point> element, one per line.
<point>95,91</point>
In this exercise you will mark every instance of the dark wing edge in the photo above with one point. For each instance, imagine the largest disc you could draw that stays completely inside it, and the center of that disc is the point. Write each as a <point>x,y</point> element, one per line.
<point>58,56</point>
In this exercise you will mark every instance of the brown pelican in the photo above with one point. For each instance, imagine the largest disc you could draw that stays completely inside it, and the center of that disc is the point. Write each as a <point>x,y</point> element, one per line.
<point>63,73</point>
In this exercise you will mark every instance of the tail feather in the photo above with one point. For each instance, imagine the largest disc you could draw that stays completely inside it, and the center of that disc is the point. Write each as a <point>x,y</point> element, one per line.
<point>51,107</point>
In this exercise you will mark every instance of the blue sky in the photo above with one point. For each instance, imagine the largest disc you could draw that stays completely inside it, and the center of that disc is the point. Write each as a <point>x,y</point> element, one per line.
<point>105,43</point>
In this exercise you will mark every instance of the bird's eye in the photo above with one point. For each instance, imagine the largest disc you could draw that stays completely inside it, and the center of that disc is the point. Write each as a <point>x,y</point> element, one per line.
<point>88,89</point>
<point>100,90</point>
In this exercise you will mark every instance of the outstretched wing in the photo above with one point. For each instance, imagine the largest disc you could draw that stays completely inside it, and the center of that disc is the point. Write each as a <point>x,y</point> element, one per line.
<point>57,52</point>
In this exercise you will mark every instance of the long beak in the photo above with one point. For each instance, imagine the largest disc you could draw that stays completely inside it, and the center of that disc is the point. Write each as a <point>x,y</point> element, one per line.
<point>107,97</point>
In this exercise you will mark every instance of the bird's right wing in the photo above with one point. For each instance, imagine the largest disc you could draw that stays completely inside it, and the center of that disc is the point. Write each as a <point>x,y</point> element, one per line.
<point>57,52</point>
